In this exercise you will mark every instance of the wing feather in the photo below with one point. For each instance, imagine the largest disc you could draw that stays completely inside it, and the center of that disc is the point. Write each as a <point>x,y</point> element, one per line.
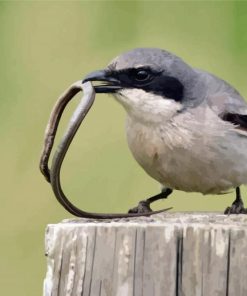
<point>224,100</point>
<point>240,120</point>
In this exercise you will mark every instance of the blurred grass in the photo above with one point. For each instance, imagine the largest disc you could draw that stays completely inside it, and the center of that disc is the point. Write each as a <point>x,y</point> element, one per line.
<point>45,46</point>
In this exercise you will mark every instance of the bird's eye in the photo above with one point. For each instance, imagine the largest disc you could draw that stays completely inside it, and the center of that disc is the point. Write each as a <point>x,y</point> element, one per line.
<point>142,75</point>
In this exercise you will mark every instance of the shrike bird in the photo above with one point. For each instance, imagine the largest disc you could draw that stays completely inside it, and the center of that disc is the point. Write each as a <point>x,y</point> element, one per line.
<point>186,128</point>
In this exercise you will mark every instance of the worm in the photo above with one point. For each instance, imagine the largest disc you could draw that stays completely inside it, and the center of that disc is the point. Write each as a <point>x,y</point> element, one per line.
<point>52,126</point>
<point>53,175</point>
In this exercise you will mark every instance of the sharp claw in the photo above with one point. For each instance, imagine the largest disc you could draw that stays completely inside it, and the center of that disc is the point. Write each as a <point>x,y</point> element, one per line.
<point>235,209</point>
<point>143,207</point>
<point>134,210</point>
<point>227,211</point>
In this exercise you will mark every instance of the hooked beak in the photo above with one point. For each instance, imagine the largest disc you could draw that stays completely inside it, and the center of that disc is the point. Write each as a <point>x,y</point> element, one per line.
<point>109,84</point>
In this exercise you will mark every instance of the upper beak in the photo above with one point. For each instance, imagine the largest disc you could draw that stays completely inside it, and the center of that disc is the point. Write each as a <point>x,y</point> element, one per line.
<point>109,85</point>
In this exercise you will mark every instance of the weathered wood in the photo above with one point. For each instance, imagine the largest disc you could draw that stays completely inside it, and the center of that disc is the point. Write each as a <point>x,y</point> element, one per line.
<point>175,254</point>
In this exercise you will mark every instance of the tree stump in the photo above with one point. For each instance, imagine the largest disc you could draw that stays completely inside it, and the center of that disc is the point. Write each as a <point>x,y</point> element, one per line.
<point>171,254</point>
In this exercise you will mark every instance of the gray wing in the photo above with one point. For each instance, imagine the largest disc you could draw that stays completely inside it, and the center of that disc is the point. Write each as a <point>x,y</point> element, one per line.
<point>225,100</point>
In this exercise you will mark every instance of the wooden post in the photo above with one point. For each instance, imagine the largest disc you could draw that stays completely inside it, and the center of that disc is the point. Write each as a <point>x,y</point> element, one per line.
<point>171,254</point>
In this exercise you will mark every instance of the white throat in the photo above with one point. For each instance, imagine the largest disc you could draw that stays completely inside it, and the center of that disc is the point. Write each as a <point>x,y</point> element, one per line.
<point>147,107</point>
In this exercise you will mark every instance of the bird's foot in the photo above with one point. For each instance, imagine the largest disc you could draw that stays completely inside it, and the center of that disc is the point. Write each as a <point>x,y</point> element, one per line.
<point>143,207</point>
<point>236,208</point>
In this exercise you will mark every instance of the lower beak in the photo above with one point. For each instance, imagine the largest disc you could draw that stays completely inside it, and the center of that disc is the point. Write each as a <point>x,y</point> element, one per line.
<point>108,83</point>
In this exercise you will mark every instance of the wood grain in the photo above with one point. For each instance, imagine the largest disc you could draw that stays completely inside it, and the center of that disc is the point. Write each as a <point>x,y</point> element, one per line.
<point>175,254</point>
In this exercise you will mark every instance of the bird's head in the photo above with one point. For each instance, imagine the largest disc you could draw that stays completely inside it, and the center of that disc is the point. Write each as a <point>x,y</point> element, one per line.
<point>146,81</point>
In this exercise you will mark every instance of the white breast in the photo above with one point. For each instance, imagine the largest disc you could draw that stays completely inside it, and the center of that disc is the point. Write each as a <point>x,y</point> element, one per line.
<point>191,153</point>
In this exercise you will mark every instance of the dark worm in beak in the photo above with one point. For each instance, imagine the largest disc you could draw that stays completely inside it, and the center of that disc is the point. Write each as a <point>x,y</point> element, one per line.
<point>52,126</point>
<point>53,175</point>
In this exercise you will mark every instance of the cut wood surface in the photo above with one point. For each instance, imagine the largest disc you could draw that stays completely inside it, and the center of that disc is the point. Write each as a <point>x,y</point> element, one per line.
<point>171,254</point>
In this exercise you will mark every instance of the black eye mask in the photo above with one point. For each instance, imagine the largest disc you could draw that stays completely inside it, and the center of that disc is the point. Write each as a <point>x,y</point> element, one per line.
<point>156,82</point>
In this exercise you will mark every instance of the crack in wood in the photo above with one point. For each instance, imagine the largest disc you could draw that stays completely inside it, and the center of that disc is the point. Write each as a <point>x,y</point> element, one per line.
<point>176,254</point>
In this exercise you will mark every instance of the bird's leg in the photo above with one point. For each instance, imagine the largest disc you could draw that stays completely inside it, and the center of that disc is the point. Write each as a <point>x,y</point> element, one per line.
<point>144,205</point>
<point>237,206</point>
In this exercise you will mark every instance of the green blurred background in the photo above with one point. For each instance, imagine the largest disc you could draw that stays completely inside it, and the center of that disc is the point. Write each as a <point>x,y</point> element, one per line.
<point>45,46</point>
